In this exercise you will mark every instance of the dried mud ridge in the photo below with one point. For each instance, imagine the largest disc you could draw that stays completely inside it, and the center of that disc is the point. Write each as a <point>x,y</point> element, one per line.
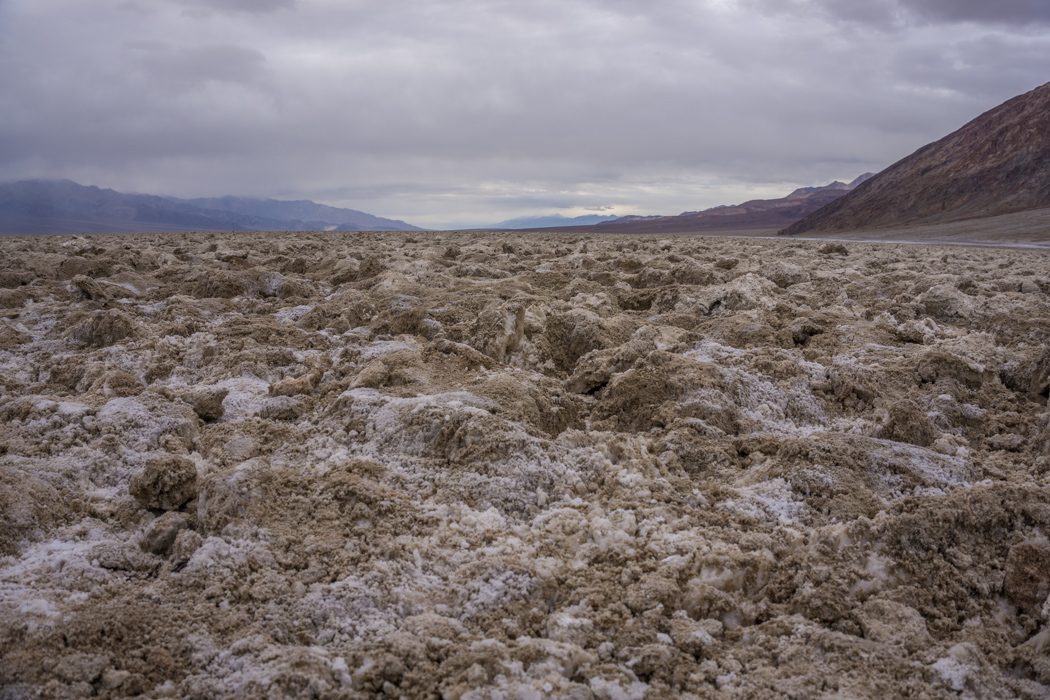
<point>522,466</point>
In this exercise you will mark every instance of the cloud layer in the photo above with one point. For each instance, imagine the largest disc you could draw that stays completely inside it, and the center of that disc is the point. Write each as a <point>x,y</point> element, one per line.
<point>999,12</point>
<point>469,111</point>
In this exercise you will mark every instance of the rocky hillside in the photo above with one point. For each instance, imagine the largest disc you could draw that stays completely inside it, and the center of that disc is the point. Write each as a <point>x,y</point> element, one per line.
<point>997,164</point>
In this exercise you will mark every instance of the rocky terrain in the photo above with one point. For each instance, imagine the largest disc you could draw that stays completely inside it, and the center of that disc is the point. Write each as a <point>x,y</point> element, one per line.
<point>997,164</point>
<point>430,465</point>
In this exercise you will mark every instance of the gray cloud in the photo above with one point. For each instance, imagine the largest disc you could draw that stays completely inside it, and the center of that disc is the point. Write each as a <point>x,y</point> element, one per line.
<point>902,12</point>
<point>183,67</point>
<point>470,111</point>
<point>1000,11</point>
<point>251,6</point>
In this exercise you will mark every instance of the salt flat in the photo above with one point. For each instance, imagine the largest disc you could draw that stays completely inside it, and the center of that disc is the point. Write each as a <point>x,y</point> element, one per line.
<point>531,465</point>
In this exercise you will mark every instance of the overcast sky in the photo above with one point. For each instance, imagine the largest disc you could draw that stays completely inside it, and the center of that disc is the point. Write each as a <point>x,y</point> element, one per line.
<point>462,112</point>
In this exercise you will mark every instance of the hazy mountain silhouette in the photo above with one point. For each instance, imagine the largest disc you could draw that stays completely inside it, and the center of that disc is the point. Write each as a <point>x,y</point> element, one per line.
<point>554,220</point>
<point>302,210</point>
<point>63,206</point>
<point>753,214</point>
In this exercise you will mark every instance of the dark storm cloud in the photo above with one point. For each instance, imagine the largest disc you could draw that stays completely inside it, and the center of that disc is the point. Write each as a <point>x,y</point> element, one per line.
<point>1015,12</point>
<point>1018,11</point>
<point>468,111</point>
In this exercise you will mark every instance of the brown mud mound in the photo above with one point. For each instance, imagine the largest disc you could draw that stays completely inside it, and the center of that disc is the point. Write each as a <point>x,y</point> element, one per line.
<point>430,465</point>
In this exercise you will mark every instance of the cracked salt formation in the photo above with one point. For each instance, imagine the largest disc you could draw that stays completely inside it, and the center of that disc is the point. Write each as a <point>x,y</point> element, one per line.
<point>407,465</point>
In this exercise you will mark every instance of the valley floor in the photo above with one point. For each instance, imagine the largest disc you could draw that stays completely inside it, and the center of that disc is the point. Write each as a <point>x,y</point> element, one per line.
<point>522,465</point>
<point>1027,229</point>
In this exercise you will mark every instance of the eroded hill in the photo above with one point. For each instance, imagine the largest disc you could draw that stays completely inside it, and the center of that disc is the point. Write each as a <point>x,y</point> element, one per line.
<point>997,164</point>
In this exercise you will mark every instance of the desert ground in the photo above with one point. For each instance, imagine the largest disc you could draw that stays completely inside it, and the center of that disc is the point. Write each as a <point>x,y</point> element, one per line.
<point>1025,229</point>
<point>522,466</point>
<point>1022,230</point>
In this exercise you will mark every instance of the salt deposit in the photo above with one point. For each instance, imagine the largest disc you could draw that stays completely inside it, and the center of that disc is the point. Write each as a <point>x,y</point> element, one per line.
<point>472,466</point>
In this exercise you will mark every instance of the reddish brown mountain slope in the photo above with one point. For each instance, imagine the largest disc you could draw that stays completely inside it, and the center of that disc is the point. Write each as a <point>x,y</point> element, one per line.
<point>754,214</point>
<point>997,164</point>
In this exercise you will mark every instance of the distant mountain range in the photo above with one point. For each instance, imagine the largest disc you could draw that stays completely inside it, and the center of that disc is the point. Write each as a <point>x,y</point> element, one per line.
<point>999,163</point>
<point>754,214</point>
<point>554,220</point>
<point>63,206</point>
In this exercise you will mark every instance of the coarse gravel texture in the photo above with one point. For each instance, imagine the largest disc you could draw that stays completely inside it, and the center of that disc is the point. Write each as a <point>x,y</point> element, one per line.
<point>522,465</point>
